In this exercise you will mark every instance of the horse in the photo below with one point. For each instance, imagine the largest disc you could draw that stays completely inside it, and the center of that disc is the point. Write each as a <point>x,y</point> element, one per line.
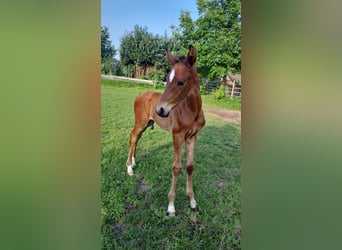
<point>233,78</point>
<point>179,110</point>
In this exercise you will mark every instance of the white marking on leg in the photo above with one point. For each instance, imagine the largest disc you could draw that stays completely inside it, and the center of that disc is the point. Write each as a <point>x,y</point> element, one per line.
<point>193,203</point>
<point>133,161</point>
<point>172,75</point>
<point>171,209</point>
<point>130,170</point>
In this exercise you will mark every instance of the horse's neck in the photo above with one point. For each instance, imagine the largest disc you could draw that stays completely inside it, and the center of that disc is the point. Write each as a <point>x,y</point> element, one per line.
<point>193,102</point>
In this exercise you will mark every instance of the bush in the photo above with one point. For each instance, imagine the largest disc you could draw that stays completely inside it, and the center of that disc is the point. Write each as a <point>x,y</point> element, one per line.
<point>220,93</point>
<point>157,77</point>
<point>107,66</point>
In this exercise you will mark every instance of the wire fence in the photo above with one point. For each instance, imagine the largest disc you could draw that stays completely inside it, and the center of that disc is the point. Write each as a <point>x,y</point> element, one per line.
<point>209,87</point>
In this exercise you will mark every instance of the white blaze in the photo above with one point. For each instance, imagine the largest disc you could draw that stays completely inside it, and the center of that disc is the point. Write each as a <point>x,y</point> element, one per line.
<point>172,75</point>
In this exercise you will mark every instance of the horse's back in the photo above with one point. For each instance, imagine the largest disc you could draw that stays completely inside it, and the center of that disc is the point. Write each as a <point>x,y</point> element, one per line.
<point>147,100</point>
<point>144,105</point>
<point>147,96</point>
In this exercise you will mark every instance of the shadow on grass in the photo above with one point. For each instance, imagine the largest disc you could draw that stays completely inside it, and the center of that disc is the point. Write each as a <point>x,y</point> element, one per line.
<point>215,145</point>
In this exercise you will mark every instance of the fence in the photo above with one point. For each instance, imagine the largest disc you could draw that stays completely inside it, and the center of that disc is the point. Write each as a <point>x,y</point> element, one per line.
<point>143,81</point>
<point>112,77</point>
<point>232,90</point>
<point>209,87</point>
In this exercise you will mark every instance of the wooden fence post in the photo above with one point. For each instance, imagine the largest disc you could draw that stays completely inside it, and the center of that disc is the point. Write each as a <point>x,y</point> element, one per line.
<point>233,89</point>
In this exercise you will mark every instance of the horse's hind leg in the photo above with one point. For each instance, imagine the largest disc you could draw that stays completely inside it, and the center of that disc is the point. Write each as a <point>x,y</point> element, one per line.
<point>143,107</point>
<point>141,123</point>
<point>135,136</point>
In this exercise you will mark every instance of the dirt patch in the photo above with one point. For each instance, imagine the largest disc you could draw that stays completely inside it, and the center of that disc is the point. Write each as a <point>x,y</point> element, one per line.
<point>231,116</point>
<point>219,184</point>
<point>118,228</point>
<point>143,186</point>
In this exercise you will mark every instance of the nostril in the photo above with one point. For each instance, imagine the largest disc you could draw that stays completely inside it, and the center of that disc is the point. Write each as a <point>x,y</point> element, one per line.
<point>162,112</point>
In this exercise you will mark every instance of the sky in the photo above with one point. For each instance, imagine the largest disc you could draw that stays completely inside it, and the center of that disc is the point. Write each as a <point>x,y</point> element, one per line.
<point>121,16</point>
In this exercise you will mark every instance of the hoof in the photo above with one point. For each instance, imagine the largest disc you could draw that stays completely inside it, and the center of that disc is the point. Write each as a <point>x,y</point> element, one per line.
<point>130,171</point>
<point>195,209</point>
<point>171,211</point>
<point>193,204</point>
<point>173,214</point>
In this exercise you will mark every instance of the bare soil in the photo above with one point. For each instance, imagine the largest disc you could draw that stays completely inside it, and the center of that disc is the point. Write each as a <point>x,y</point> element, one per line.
<point>231,116</point>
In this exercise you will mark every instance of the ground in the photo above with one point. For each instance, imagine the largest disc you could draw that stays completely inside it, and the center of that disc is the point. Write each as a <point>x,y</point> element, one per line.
<point>231,116</point>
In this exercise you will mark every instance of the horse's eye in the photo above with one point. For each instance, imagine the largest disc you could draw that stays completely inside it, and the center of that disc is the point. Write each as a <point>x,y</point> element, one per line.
<point>180,83</point>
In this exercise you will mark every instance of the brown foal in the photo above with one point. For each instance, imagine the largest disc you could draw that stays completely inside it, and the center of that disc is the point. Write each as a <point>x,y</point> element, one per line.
<point>179,110</point>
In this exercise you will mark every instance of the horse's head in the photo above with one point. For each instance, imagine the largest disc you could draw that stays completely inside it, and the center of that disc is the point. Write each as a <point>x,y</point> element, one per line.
<point>179,82</point>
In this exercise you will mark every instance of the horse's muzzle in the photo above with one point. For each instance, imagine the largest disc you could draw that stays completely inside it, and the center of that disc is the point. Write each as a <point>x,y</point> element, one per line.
<point>161,112</point>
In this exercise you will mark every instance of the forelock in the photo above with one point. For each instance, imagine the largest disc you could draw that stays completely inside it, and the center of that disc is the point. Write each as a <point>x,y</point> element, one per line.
<point>181,58</point>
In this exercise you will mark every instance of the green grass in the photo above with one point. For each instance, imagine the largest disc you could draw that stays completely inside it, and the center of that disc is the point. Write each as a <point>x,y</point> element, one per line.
<point>134,208</point>
<point>210,102</point>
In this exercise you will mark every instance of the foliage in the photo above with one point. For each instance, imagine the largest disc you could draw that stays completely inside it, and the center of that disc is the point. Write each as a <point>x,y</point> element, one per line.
<point>107,52</point>
<point>219,98</point>
<point>143,49</point>
<point>210,102</point>
<point>133,213</point>
<point>219,93</point>
<point>157,76</point>
<point>216,34</point>
<point>107,66</point>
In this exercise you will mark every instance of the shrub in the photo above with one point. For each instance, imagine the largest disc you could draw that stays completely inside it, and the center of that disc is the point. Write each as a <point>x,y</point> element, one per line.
<point>157,77</point>
<point>219,93</point>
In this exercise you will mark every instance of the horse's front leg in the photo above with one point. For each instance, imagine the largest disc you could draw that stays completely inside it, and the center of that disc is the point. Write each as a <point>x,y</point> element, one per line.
<point>190,148</point>
<point>176,169</point>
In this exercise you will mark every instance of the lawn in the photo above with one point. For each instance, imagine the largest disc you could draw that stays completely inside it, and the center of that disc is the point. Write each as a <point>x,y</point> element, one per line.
<point>133,212</point>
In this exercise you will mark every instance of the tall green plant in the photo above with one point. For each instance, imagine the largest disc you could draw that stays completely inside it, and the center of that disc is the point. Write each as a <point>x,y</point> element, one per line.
<point>107,52</point>
<point>216,34</point>
<point>143,49</point>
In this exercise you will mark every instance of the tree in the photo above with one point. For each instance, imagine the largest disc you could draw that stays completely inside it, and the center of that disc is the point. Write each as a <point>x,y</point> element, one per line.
<point>216,34</point>
<point>140,50</point>
<point>127,53</point>
<point>107,52</point>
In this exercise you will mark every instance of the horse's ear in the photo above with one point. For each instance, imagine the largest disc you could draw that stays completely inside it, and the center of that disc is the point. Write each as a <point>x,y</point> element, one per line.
<point>173,60</point>
<point>191,55</point>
